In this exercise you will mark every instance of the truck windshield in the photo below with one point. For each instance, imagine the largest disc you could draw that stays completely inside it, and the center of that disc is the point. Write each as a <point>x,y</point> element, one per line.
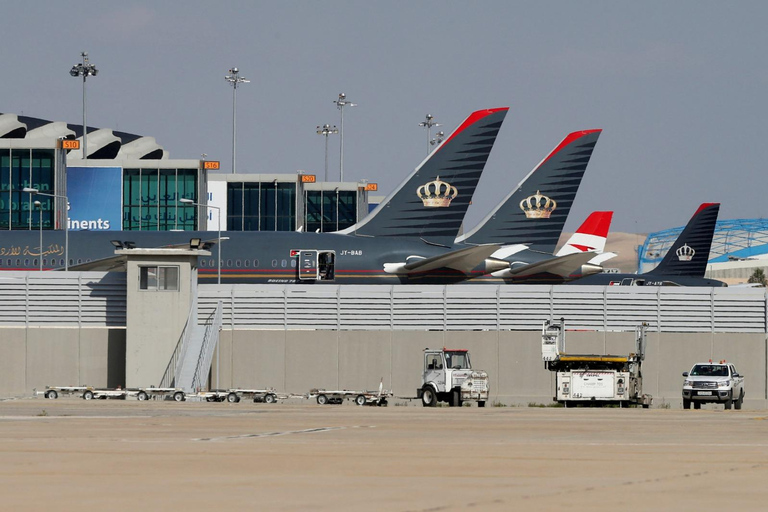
<point>710,370</point>
<point>457,360</point>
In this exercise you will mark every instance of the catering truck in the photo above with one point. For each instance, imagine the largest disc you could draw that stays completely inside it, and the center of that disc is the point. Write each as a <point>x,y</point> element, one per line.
<point>592,378</point>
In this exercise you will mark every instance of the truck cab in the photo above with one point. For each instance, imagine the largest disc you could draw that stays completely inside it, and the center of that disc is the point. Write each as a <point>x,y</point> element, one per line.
<point>448,377</point>
<point>713,383</point>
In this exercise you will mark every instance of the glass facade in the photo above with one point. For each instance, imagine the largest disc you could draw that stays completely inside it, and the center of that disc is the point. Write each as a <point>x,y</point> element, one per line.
<point>330,210</point>
<point>19,168</point>
<point>261,206</point>
<point>151,199</point>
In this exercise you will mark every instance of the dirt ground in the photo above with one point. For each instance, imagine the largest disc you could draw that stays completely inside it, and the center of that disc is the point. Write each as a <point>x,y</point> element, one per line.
<point>69,454</point>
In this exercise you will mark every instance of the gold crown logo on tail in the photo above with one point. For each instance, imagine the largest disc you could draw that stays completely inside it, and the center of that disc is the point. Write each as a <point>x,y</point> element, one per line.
<point>538,206</point>
<point>437,194</point>
<point>685,253</point>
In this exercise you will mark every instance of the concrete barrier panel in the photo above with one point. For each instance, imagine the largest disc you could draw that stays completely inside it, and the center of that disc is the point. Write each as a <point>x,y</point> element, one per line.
<point>522,376</point>
<point>13,362</point>
<point>364,359</point>
<point>52,358</point>
<point>408,358</point>
<point>258,360</point>
<point>100,357</point>
<point>676,353</point>
<point>312,360</point>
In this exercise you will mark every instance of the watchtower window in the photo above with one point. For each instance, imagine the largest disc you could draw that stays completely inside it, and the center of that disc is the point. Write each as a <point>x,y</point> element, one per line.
<point>159,278</point>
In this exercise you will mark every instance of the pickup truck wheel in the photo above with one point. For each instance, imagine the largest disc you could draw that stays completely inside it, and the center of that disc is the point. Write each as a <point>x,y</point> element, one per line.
<point>737,404</point>
<point>728,404</point>
<point>686,403</point>
<point>142,396</point>
<point>322,399</point>
<point>697,405</point>
<point>360,400</point>
<point>428,397</point>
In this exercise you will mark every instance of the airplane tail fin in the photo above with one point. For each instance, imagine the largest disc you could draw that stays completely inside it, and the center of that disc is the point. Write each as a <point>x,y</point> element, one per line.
<point>590,236</point>
<point>535,212</point>
<point>689,255</point>
<point>432,201</point>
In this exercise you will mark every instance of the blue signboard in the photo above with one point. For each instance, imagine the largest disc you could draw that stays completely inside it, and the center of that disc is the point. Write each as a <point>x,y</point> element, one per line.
<point>95,198</point>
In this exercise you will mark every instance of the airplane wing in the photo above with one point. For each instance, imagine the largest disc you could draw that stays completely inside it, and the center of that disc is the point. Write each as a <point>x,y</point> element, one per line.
<point>562,266</point>
<point>463,260</point>
<point>602,257</point>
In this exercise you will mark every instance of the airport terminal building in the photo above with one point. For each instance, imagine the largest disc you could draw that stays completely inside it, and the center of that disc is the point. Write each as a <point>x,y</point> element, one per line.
<point>128,183</point>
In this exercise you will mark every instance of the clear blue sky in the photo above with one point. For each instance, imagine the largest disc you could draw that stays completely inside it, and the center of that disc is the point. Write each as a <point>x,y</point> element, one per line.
<point>678,87</point>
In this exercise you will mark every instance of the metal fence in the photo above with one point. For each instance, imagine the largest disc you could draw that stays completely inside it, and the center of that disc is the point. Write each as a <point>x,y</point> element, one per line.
<point>99,299</point>
<point>62,298</point>
<point>486,307</point>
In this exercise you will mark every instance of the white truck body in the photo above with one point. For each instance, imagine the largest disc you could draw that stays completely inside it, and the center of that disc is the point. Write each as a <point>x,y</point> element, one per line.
<point>448,377</point>
<point>593,378</point>
<point>713,383</point>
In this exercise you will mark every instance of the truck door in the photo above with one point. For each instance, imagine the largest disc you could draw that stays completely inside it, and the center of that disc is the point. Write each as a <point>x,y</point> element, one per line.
<point>434,370</point>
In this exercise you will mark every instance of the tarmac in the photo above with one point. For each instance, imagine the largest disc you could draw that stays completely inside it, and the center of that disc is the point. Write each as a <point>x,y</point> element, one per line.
<point>71,454</point>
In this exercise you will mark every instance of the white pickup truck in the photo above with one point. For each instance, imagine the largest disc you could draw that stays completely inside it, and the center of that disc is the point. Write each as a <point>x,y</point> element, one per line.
<point>713,383</point>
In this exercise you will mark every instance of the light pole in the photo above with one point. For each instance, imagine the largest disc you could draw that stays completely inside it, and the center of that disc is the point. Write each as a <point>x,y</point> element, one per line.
<point>428,123</point>
<point>84,69</point>
<point>218,242</point>
<point>66,219</point>
<point>234,79</point>
<point>340,104</point>
<point>439,137</point>
<point>326,130</point>
<point>39,206</point>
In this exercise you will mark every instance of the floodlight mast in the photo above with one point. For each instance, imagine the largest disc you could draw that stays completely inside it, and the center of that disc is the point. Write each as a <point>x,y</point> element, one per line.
<point>234,79</point>
<point>326,130</point>
<point>439,137</point>
<point>218,243</point>
<point>340,104</point>
<point>84,69</point>
<point>39,206</point>
<point>31,191</point>
<point>428,123</point>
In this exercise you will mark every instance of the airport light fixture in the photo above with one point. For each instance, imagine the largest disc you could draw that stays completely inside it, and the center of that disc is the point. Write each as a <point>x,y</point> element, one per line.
<point>326,130</point>
<point>428,123</point>
<point>340,104</point>
<point>39,206</point>
<point>35,191</point>
<point>84,69</point>
<point>439,137</point>
<point>218,242</point>
<point>234,79</point>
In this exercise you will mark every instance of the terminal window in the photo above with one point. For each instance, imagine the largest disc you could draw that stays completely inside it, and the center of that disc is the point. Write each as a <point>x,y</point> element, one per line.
<point>330,210</point>
<point>159,278</point>
<point>21,168</point>
<point>151,199</point>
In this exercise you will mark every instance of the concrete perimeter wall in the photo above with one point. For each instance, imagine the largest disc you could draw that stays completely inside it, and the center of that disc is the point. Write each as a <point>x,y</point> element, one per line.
<point>296,361</point>
<point>33,357</point>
